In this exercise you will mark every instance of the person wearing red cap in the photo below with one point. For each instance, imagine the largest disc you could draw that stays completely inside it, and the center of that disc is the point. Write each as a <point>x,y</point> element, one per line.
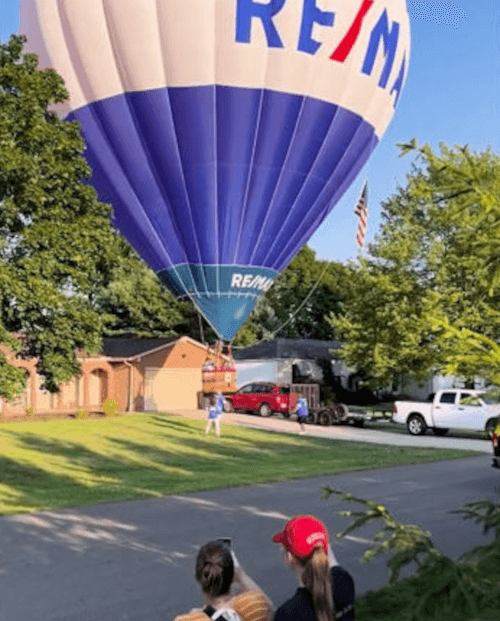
<point>326,590</point>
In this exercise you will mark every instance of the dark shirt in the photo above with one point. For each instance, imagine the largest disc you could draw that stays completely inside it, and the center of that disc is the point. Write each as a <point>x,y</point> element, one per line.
<point>300,608</point>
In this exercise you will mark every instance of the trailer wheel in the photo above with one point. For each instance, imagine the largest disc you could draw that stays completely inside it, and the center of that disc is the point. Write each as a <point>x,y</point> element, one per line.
<point>358,422</point>
<point>416,425</point>
<point>324,418</point>
<point>342,412</point>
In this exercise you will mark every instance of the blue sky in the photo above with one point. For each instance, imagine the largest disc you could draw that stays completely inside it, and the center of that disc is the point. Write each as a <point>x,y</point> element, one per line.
<point>452,95</point>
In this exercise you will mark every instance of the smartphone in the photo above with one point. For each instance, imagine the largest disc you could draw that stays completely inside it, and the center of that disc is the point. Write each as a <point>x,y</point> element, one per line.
<point>227,541</point>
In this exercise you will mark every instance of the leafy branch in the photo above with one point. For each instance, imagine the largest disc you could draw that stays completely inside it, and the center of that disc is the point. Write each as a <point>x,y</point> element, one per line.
<point>407,543</point>
<point>440,588</point>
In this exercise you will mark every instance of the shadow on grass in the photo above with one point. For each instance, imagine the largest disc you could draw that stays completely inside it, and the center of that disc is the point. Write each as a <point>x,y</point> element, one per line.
<point>29,488</point>
<point>203,452</point>
<point>55,472</point>
<point>66,474</point>
<point>74,452</point>
<point>239,434</point>
<point>171,423</point>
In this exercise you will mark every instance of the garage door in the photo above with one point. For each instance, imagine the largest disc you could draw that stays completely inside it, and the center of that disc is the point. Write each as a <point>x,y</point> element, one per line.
<point>171,389</point>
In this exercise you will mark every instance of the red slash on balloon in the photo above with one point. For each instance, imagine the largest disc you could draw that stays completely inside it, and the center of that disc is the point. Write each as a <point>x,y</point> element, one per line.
<point>347,43</point>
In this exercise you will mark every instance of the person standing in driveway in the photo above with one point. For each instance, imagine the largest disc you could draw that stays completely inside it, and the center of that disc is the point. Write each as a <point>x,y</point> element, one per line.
<point>302,414</point>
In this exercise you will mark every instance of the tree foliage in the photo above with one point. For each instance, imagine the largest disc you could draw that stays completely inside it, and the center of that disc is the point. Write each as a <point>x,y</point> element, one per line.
<point>134,302</point>
<point>439,587</point>
<point>431,271</point>
<point>300,301</point>
<point>56,241</point>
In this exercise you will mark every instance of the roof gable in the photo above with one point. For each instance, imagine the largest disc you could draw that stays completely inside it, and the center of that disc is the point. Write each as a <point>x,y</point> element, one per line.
<point>129,347</point>
<point>304,349</point>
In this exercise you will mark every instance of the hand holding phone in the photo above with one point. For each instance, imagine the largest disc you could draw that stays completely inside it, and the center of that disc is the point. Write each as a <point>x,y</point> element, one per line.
<point>225,541</point>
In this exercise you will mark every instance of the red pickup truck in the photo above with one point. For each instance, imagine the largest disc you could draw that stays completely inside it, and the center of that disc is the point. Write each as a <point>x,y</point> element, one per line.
<point>264,398</point>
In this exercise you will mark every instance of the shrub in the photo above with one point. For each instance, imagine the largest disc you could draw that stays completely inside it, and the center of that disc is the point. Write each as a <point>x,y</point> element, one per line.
<point>110,407</point>
<point>81,413</point>
<point>440,588</point>
<point>30,411</point>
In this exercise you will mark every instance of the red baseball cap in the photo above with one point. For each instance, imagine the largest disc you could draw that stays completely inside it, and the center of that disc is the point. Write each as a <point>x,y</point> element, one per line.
<point>302,534</point>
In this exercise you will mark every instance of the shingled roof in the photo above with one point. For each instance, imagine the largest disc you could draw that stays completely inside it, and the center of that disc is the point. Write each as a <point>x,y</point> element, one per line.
<point>304,349</point>
<point>127,347</point>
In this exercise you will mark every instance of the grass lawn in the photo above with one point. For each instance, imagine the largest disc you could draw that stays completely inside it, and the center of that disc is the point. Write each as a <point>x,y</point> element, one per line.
<point>62,463</point>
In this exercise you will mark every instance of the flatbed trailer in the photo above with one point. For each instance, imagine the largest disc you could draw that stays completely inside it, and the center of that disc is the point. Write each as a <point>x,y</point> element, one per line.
<point>337,414</point>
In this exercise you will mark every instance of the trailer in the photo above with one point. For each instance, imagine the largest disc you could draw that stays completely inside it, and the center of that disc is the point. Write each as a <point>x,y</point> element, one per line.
<point>328,414</point>
<point>339,414</point>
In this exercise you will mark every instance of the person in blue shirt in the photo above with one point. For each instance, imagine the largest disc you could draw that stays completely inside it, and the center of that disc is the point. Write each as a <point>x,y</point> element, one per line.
<point>213,415</point>
<point>220,402</point>
<point>302,413</point>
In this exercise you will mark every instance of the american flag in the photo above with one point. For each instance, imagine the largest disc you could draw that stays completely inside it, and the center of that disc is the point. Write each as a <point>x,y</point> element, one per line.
<point>362,212</point>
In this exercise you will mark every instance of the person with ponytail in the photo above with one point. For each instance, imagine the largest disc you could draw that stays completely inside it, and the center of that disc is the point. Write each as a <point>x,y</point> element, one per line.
<point>326,590</point>
<point>229,592</point>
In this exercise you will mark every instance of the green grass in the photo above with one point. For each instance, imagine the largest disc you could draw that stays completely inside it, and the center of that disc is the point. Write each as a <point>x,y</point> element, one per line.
<point>62,463</point>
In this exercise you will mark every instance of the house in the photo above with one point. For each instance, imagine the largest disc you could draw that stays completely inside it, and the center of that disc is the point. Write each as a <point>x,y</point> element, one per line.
<point>140,374</point>
<point>88,389</point>
<point>420,391</point>
<point>285,360</point>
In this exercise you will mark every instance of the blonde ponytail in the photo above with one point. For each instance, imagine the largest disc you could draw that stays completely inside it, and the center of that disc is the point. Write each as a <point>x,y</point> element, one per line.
<point>315,577</point>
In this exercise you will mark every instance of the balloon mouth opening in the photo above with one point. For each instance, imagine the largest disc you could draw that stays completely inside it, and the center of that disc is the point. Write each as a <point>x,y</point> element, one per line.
<point>224,294</point>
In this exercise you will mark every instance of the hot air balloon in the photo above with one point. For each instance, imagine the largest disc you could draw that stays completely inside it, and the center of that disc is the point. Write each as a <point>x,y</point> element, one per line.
<point>223,132</point>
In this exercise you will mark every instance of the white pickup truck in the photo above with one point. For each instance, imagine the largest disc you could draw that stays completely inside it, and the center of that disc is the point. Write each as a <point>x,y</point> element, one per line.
<point>460,409</point>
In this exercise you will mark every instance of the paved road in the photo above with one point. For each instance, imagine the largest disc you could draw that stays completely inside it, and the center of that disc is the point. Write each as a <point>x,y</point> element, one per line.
<point>346,432</point>
<point>133,561</point>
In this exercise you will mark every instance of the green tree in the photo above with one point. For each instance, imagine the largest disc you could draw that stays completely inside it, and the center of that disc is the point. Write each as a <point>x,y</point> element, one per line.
<point>135,302</point>
<point>57,245</point>
<point>430,271</point>
<point>302,297</point>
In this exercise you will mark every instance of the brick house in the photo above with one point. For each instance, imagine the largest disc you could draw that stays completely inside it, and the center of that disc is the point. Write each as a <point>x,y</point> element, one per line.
<point>141,374</point>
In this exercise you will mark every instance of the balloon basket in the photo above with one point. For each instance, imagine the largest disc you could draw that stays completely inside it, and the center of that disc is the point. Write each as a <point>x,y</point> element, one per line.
<point>218,371</point>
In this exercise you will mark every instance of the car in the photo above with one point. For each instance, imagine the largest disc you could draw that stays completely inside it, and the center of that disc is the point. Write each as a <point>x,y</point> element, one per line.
<point>263,398</point>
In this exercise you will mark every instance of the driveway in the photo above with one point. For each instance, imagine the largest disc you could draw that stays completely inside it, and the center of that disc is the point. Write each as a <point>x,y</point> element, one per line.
<point>344,432</point>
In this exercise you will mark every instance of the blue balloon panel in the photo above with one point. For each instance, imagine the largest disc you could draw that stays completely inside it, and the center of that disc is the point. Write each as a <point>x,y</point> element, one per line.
<point>218,187</point>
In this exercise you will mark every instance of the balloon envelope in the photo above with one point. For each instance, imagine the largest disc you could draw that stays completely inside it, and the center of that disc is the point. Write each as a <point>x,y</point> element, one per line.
<point>223,131</point>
